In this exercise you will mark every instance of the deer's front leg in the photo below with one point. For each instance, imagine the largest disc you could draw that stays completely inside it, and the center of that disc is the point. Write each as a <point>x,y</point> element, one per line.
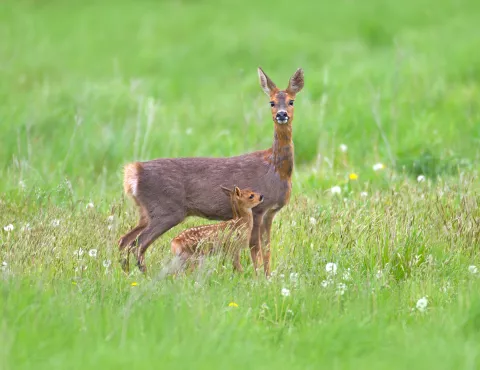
<point>266,233</point>
<point>255,242</point>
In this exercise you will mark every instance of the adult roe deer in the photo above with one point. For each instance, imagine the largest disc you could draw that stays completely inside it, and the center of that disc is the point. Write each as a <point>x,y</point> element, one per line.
<point>230,236</point>
<point>167,190</point>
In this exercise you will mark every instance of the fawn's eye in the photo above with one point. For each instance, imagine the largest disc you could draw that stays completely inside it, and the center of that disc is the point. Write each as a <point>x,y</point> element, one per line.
<point>251,196</point>
<point>272,104</point>
<point>290,102</point>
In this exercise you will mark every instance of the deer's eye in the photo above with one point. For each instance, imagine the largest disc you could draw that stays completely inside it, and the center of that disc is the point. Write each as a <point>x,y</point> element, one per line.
<point>290,102</point>
<point>251,196</point>
<point>272,104</point>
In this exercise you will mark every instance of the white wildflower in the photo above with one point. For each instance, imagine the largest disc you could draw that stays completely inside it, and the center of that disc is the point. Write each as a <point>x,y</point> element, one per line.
<point>294,276</point>
<point>343,148</point>
<point>26,227</point>
<point>9,228</point>
<point>446,287</point>
<point>341,288</point>
<point>331,268</point>
<point>422,304</point>
<point>421,178</point>
<point>326,283</point>
<point>110,218</point>
<point>336,190</point>
<point>282,276</point>
<point>55,223</point>
<point>4,264</point>
<point>78,253</point>
<point>313,221</point>
<point>346,275</point>
<point>285,292</point>
<point>294,223</point>
<point>472,269</point>
<point>22,185</point>
<point>92,253</point>
<point>379,274</point>
<point>90,205</point>
<point>378,166</point>
<point>107,263</point>
<point>110,227</point>
<point>364,194</point>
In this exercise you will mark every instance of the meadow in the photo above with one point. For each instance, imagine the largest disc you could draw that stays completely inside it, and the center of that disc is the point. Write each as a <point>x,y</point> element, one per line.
<point>375,259</point>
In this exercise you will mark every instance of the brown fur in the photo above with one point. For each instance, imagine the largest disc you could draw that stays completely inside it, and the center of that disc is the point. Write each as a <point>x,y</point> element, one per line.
<point>229,236</point>
<point>170,189</point>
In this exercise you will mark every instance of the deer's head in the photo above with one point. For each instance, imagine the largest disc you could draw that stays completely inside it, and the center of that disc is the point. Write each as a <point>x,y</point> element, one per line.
<point>245,198</point>
<point>282,101</point>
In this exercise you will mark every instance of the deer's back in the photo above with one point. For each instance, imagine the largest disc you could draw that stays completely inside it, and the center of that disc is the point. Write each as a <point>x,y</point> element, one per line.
<point>225,234</point>
<point>195,183</point>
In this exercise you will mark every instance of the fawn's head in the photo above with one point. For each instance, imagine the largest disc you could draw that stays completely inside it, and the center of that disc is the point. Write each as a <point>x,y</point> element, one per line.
<point>245,198</point>
<point>281,101</point>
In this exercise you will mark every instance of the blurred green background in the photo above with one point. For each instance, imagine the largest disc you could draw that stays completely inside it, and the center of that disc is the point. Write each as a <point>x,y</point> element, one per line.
<point>87,86</point>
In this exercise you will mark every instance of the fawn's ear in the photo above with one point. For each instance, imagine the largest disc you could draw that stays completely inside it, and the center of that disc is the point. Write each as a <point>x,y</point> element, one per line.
<point>296,82</point>
<point>227,191</point>
<point>267,84</point>
<point>238,193</point>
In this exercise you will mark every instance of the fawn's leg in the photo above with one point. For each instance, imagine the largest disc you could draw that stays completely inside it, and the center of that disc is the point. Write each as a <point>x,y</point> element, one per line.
<point>156,227</point>
<point>236,261</point>
<point>255,243</point>
<point>266,231</point>
<point>182,255</point>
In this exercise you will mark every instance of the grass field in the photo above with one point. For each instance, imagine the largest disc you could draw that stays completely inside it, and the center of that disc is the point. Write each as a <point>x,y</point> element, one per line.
<point>86,87</point>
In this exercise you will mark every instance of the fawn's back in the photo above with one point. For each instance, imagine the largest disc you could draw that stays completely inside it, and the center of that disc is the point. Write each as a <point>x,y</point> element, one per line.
<point>229,235</point>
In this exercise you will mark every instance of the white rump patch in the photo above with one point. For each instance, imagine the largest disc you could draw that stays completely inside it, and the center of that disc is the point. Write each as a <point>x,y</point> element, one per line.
<point>133,183</point>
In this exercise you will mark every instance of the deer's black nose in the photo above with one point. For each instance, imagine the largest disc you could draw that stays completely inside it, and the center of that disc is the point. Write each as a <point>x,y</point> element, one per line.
<point>282,116</point>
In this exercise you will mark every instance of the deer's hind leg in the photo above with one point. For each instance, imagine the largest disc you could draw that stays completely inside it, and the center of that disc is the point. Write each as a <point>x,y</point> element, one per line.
<point>129,238</point>
<point>157,225</point>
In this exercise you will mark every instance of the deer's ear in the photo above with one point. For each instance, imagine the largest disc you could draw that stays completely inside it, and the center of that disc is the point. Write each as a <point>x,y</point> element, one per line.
<point>296,82</point>
<point>267,84</point>
<point>237,192</point>
<point>227,191</point>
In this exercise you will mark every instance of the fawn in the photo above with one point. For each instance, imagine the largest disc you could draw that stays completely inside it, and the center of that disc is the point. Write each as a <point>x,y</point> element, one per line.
<point>167,190</point>
<point>232,236</point>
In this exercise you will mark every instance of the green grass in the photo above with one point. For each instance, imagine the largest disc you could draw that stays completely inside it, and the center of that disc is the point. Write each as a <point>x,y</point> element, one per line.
<point>86,87</point>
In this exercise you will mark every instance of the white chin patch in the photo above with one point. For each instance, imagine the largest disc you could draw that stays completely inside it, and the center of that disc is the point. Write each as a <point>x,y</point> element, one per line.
<point>282,122</point>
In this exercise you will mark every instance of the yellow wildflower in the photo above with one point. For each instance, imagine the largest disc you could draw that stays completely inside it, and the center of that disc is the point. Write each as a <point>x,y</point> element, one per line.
<point>134,283</point>
<point>232,304</point>
<point>353,176</point>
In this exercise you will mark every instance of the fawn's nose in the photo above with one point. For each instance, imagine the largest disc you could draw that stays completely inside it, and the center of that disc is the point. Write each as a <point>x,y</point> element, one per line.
<point>282,116</point>
<point>261,198</point>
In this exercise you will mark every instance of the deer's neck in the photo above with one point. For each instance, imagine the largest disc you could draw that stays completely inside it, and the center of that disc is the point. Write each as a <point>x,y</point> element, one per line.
<point>282,151</point>
<point>245,218</point>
